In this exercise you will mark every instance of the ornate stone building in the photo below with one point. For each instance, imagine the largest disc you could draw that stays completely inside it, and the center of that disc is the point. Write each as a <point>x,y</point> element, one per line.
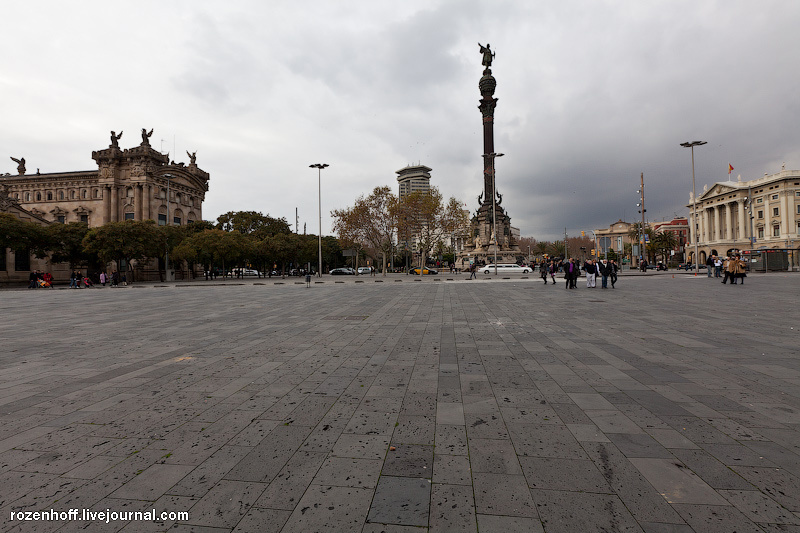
<point>730,213</point>
<point>129,184</point>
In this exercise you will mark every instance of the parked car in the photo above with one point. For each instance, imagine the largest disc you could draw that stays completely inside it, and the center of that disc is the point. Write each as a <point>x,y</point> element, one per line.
<point>246,272</point>
<point>347,271</point>
<point>506,268</point>
<point>690,266</point>
<point>425,271</point>
<point>364,270</point>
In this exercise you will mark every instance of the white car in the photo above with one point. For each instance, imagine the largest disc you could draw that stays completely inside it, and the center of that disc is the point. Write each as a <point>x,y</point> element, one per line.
<point>364,270</point>
<point>246,272</point>
<point>507,268</point>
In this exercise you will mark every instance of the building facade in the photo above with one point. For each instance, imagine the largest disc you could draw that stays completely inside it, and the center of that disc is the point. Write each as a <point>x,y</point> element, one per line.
<point>413,179</point>
<point>128,184</point>
<point>759,214</point>
<point>679,227</point>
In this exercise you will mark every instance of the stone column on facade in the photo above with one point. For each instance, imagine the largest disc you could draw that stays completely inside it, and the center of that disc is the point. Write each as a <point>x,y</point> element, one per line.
<point>114,204</point>
<point>786,230</point>
<point>742,227</point>
<point>728,222</point>
<point>107,203</point>
<point>147,193</point>
<point>704,225</point>
<point>717,234</point>
<point>138,201</point>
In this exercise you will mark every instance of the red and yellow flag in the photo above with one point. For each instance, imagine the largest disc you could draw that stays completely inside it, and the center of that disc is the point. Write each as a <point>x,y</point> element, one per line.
<point>730,169</point>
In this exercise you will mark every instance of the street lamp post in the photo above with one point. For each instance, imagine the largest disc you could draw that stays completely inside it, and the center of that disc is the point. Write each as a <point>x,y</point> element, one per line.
<point>319,167</point>
<point>493,156</point>
<point>168,177</point>
<point>694,205</point>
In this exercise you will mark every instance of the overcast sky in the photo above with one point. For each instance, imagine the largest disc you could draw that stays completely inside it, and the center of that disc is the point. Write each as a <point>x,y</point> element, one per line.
<point>591,94</point>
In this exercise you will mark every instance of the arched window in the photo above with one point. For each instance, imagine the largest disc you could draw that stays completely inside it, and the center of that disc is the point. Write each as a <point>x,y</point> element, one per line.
<point>27,197</point>
<point>38,197</point>
<point>97,193</point>
<point>49,196</point>
<point>83,193</point>
<point>60,195</point>
<point>72,195</point>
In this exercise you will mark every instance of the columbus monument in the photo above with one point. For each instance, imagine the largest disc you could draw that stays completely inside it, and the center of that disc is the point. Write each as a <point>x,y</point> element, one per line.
<point>490,227</point>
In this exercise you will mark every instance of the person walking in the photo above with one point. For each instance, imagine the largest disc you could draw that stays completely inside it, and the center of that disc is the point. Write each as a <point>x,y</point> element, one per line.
<point>738,270</point>
<point>553,267</point>
<point>726,266</point>
<point>710,265</point>
<point>544,269</point>
<point>612,272</point>
<point>603,269</point>
<point>717,266</point>
<point>591,274</point>
<point>473,271</point>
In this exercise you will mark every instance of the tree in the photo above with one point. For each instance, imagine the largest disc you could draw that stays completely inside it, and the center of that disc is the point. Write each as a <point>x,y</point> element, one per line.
<point>425,215</point>
<point>541,247</point>
<point>370,223</point>
<point>65,242</point>
<point>635,235</point>
<point>129,240</point>
<point>22,236</point>
<point>664,242</point>
<point>247,222</point>
<point>525,244</point>
<point>557,249</point>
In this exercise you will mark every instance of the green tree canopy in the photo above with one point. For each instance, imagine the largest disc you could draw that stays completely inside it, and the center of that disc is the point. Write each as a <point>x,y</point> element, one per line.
<point>129,240</point>
<point>65,242</point>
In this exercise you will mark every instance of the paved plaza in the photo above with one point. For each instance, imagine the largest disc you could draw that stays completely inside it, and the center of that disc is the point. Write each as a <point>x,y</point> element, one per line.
<point>668,404</point>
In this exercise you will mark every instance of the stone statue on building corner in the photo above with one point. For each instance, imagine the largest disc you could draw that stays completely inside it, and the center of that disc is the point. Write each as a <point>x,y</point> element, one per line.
<point>488,55</point>
<point>146,137</point>
<point>115,138</point>
<point>20,165</point>
<point>192,157</point>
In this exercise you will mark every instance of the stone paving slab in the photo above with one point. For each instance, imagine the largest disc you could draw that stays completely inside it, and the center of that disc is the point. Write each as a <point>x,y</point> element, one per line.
<point>668,404</point>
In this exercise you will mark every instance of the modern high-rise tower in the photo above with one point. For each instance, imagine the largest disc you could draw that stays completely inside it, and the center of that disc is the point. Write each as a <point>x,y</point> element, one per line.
<point>413,179</point>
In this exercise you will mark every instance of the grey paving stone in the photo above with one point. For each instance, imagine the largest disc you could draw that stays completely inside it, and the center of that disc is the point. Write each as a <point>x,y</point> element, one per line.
<point>551,473</point>
<point>262,520</point>
<point>153,482</point>
<point>546,441</point>
<point>567,512</point>
<point>292,481</point>
<point>638,445</point>
<point>508,524</point>
<point>778,484</point>
<point>759,507</point>
<point>711,470</point>
<point>402,501</point>
<point>676,483</point>
<point>450,413</point>
<point>409,460</point>
<point>349,472</point>
<point>452,469</point>
<point>716,519</point>
<point>452,508</point>
<point>451,440</point>
<point>502,494</point>
<point>495,456</point>
<point>414,430</point>
<point>225,504</point>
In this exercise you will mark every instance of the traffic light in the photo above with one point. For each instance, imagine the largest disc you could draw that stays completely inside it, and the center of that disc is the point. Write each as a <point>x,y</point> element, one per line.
<point>593,251</point>
<point>583,234</point>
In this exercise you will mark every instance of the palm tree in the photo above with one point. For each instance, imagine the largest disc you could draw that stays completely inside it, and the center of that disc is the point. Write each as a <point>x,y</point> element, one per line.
<point>557,249</point>
<point>664,242</point>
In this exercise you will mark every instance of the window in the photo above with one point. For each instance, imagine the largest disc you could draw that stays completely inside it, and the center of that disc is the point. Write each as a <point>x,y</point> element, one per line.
<point>97,193</point>
<point>775,211</point>
<point>38,197</point>
<point>176,221</point>
<point>798,209</point>
<point>162,220</point>
<point>83,194</point>
<point>760,213</point>
<point>85,219</point>
<point>72,195</point>
<point>774,196</point>
<point>776,231</point>
<point>129,216</point>
<point>22,260</point>
<point>759,200</point>
<point>60,195</point>
<point>49,196</point>
<point>760,233</point>
<point>27,197</point>
<point>798,229</point>
<point>61,219</point>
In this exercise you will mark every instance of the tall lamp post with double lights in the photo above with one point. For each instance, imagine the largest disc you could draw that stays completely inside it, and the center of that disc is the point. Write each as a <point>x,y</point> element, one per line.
<point>319,167</point>
<point>694,205</point>
<point>493,156</point>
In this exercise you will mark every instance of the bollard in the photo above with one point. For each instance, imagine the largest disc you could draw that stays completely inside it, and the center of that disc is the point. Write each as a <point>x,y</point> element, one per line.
<point>308,280</point>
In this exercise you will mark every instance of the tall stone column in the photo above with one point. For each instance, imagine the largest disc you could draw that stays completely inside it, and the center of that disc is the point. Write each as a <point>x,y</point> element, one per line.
<point>147,193</point>
<point>107,203</point>
<point>704,233</point>
<point>728,222</point>
<point>785,212</point>
<point>742,230</point>
<point>138,200</point>
<point>717,233</point>
<point>114,204</point>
